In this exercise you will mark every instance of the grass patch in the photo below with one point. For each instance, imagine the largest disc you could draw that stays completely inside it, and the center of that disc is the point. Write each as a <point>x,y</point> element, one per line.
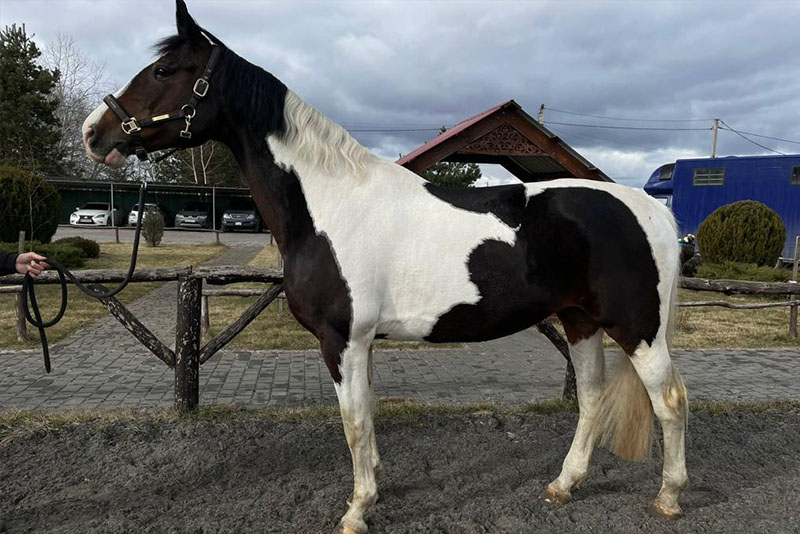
<point>727,408</point>
<point>82,310</point>
<point>276,328</point>
<point>709,327</point>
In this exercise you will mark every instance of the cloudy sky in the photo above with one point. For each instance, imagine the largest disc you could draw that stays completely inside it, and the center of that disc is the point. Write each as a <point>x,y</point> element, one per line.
<point>399,66</point>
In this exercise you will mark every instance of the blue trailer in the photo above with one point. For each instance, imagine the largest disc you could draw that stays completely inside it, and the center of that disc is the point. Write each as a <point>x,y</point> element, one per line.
<point>693,188</point>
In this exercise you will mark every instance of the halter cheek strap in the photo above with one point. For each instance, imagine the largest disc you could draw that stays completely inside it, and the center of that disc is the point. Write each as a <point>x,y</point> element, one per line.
<point>132,126</point>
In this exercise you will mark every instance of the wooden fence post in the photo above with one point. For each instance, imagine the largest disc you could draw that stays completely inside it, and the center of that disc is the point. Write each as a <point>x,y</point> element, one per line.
<point>187,343</point>
<point>22,325</point>
<point>205,320</point>
<point>793,309</point>
<point>570,391</point>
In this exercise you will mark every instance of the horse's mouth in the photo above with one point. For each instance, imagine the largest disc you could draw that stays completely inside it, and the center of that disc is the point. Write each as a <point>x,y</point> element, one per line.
<point>114,158</point>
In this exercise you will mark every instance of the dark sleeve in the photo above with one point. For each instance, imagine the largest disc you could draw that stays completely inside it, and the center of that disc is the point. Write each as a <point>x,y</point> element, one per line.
<point>8,262</point>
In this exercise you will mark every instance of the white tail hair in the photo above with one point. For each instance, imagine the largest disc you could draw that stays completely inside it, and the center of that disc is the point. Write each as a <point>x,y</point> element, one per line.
<point>623,420</point>
<point>321,142</point>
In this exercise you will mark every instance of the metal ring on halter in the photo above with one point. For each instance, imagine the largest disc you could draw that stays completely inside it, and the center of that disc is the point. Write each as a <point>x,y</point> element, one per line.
<point>187,115</point>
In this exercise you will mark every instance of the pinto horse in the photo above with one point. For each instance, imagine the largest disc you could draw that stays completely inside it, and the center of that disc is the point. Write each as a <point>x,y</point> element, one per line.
<point>374,251</point>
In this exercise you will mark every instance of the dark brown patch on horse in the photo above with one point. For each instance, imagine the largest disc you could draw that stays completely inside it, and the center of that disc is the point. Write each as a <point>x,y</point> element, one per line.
<point>575,247</point>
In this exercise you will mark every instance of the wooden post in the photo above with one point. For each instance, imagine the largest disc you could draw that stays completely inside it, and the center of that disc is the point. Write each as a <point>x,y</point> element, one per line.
<point>187,344</point>
<point>205,320</point>
<point>570,391</point>
<point>114,214</point>
<point>22,325</point>
<point>793,309</point>
<point>280,266</point>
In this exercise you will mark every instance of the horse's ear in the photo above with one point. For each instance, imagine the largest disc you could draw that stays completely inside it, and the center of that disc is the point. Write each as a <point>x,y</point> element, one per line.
<point>187,27</point>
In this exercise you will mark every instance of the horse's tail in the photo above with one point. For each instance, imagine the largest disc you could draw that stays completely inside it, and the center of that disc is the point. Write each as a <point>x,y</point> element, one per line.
<point>623,421</point>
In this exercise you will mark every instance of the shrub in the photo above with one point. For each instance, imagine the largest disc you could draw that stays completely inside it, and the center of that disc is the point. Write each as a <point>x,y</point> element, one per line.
<point>30,203</point>
<point>89,247</point>
<point>67,255</point>
<point>745,231</point>
<point>153,227</point>
<point>731,270</point>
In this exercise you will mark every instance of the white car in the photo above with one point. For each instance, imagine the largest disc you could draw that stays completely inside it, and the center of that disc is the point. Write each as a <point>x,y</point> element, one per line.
<point>134,214</point>
<point>95,214</point>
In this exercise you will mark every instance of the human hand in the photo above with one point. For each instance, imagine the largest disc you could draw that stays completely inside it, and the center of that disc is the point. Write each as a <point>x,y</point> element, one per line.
<point>31,263</point>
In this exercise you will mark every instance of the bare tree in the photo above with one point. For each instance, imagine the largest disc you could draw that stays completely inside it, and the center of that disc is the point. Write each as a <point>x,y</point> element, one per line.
<point>81,84</point>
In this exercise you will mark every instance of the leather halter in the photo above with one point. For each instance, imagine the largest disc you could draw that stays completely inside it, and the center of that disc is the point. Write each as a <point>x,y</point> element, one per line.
<point>132,126</point>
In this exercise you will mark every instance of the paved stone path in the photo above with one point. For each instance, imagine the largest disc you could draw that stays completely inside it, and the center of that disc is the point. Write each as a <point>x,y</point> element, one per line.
<point>517,369</point>
<point>105,366</point>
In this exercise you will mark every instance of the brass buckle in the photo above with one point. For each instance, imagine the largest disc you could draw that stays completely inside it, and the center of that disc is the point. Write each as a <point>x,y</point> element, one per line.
<point>130,126</point>
<point>201,92</point>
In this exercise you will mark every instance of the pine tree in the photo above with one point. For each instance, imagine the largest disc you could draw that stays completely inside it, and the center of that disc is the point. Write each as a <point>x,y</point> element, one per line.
<point>28,134</point>
<point>452,174</point>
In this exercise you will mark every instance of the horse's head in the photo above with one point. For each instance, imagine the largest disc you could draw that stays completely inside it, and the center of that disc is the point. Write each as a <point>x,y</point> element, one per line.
<point>172,101</point>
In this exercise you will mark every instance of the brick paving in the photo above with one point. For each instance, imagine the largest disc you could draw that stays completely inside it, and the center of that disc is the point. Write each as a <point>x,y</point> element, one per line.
<point>517,369</point>
<point>105,366</point>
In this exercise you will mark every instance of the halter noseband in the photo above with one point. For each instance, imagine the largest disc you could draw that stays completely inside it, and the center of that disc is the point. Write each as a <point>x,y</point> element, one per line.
<point>132,126</point>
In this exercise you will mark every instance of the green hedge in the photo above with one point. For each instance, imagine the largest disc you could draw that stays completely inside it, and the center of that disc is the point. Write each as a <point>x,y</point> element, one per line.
<point>745,232</point>
<point>89,247</point>
<point>19,191</point>
<point>69,256</point>
<point>731,270</point>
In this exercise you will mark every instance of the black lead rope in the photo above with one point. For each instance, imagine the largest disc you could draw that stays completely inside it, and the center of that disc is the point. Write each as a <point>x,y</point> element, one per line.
<point>28,288</point>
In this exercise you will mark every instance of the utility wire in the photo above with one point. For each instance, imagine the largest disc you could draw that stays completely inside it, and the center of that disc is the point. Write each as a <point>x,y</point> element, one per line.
<point>750,140</point>
<point>392,130</point>
<point>763,136</point>
<point>627,127</point>
<point>622,119</point>
<point>605,142</point>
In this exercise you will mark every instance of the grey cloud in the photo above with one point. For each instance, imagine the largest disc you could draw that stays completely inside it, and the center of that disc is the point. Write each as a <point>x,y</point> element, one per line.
<point>417,64</point>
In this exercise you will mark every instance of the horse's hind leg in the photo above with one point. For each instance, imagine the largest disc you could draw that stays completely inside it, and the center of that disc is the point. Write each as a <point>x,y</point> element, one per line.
<point>356,404</point>
<point>586,351</point>
<point>373,443</point>
<point>668,397</point>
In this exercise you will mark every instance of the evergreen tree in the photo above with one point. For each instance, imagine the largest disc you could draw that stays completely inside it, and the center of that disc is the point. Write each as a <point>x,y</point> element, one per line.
<point>28,134</point>
<point>452,174</point>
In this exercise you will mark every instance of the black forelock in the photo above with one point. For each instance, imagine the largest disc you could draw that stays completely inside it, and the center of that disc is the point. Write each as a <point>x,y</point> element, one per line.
<point>169,44</point>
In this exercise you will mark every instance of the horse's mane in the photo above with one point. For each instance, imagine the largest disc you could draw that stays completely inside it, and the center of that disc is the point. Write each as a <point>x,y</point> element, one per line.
<point>319,141</point>
<point>253,92</point>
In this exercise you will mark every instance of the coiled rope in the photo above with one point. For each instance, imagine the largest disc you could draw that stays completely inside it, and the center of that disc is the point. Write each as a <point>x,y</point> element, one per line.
<point>29,285</point>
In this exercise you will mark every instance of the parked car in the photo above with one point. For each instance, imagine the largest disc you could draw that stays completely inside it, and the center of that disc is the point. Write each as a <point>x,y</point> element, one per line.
<point>242,215</point>
<point>134,214</point>
<point>96,214</point>
<point>194,214</point>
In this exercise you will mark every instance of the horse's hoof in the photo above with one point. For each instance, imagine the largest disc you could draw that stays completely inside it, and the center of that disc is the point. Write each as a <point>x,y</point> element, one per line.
<point>350,528</point>
<point>555,496</point>
<point>659,511</point>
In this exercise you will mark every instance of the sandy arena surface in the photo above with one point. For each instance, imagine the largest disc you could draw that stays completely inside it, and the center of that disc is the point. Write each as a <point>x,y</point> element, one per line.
<point>478,473</point>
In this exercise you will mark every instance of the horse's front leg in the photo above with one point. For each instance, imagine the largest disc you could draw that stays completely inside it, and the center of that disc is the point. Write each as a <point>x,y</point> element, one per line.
<point>355,403</point>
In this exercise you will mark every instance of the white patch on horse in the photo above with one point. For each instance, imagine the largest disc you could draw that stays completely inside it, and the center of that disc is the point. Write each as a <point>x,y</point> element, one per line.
<point>93,118</point>
<point>423,243</point>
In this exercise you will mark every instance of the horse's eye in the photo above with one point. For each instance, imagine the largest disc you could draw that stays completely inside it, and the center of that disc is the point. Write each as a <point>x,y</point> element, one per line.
<point>162,72</point>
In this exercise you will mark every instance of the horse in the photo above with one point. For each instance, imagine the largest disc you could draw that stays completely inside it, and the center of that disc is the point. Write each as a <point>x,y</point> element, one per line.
<point>372,250</point>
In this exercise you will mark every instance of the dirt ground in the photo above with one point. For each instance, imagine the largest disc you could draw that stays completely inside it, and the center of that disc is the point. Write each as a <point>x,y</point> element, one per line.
<point>445,473</point>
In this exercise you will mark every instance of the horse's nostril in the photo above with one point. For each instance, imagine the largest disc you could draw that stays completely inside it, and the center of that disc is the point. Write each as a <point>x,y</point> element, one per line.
<point>91,137</point>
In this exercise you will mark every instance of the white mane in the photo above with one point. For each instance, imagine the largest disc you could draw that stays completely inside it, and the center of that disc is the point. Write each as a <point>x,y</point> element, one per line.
<point>320,142</point>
